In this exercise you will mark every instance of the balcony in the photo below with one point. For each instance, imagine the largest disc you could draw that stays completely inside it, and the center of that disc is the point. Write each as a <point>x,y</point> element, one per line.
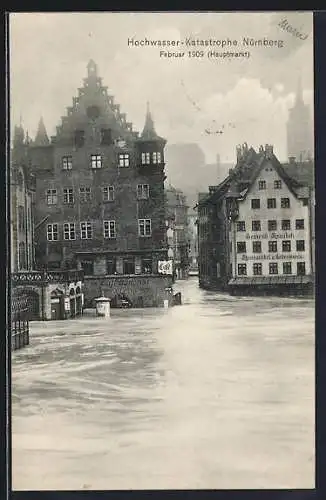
<point>45,277</point>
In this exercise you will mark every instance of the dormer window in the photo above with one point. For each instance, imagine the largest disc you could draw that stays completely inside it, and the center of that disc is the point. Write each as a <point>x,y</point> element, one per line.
<point>145,158</point>
<point>157,157</point>
<point>66,163</point>
<point>79,138</point>
<point>96,161</point>
<point>124,160</point>
<point>106,136</point>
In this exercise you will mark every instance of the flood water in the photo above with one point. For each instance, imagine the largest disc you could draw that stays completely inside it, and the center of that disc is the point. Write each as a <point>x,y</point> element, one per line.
<point>216,393</point>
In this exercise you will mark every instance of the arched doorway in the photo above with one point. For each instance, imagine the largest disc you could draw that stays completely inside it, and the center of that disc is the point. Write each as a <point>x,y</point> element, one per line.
<point>79,304</point>
<point>57,304</point>
<point>33,302</point>
<point>72,303</point>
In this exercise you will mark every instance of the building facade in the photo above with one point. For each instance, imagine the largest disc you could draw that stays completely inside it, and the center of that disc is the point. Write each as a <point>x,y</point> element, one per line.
<point>256,228</point>
<point>22,188</point>
<point>300,129</point>
<point>193,243</point>
<point>100,203</point>
<point>177,218</point>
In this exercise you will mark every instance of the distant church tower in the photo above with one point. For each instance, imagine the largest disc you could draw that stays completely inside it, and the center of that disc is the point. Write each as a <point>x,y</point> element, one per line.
<point>300,129</point>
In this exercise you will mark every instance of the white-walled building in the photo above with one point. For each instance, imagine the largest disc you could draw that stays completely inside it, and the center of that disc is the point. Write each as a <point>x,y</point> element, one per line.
<point>271,236</point>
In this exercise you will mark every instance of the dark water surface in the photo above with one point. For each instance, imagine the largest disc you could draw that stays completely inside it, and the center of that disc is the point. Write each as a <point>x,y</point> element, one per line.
<point>216,393</point>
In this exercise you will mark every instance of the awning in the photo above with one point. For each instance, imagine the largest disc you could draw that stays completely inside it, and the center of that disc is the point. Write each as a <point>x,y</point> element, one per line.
<point>269,280</point>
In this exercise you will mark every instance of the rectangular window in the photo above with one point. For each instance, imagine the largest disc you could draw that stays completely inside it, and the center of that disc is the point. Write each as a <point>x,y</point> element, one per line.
<point>109,229</point>
<point>145,158</point>
<point>272,246</point>
<point>85,194</point>
<point>156,157</point>
<point>51,197</point>
<point>242,269</point>
<point>255,203</point>
<point>88,267</point>
<point>300,245</point>
<point>124,160</point>
<point>21,218</point>
<point>256,246</point>
<point>111,265</point>
<point>261,185</point>
<point>286,224</point>
<point>96,161</point>
<point>129,266</point>
<point>272,225</point>
<point>68,195</point>
<point>285,202</point>
<point>108,193</point>
<point>273,268</point>
<point>69,231</point>
<point>79,138</point>
<point>66,163</point>
<point>299,224</point>
<point>256,225</point>
<point>86,230</point>
<point>144,227</point>
<point>241,247</point>
<point>257,269</point>
<point>278,184</point>
<point>241,225</point>
<point>286,246</point>
<point>287,268</point>
<point>52,232</point>
<point>143,191</point>
<point>146,266</point>
<point>271,202</point>
<point>301,268</point>
<point>106,137</point>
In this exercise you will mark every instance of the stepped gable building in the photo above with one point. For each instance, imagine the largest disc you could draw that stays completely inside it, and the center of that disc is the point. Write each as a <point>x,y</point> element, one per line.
<point>256,228</point>
<point>177,217</point>
<point>300,129</point>
<point>100,198</point>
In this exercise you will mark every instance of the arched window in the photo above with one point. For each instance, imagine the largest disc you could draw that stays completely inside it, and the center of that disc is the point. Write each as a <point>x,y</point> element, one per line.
<point>21,218</point>
<point>22,256</point>
<point>20,180</point>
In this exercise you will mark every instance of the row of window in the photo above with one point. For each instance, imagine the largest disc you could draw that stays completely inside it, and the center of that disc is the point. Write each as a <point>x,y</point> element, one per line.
<point>257,268</point>
<point>263,185</point>
<point>86,230</point>
<point>85,194</point>
<point>256,225</point>
<point>96,160</point>
<point>272,246</point>
<point>128,266</point>
<point>271,203</point>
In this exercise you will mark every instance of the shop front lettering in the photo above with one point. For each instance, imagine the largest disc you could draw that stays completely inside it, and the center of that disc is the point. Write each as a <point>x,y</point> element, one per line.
<point>271,236</point>
<point>273,256</point>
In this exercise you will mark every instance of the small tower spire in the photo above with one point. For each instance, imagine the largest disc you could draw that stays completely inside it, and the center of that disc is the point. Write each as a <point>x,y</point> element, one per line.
<point>41,138</point>
<point>149,128</point>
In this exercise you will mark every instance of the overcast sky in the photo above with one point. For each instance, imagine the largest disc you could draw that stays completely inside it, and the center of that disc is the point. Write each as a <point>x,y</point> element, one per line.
<point>49,54</point>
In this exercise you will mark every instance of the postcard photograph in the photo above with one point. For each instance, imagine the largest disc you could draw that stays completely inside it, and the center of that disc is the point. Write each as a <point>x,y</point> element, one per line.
<point>162,250</point>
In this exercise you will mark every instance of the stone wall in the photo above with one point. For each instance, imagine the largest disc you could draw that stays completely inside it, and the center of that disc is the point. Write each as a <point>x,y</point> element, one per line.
<point>142,291</point>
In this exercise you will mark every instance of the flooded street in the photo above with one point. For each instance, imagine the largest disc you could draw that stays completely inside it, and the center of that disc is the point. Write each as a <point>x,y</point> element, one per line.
<point>216,393</point>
